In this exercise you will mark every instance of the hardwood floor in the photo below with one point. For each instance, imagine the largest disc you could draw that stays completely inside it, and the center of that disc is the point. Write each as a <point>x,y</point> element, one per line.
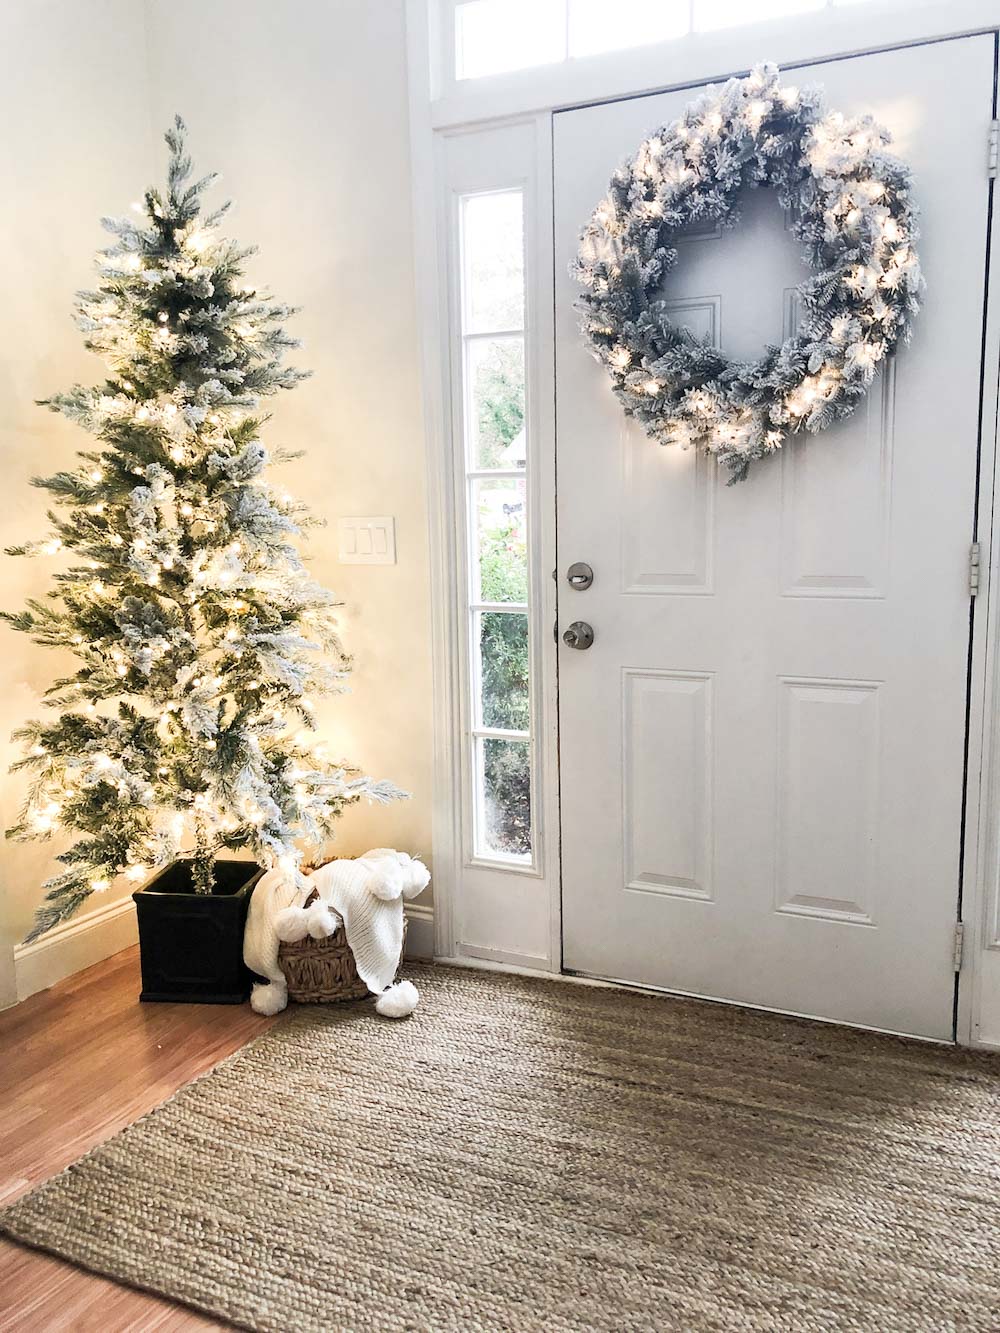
<point>78,1063</point>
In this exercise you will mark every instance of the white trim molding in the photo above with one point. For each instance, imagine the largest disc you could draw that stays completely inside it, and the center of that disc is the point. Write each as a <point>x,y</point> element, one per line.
<point>74,945</point>
<point>505,908</point>
<point>428,233</point>
<point>419,930</point>
<point>480,907</point>
<point>978,1018</point>
<point>89,939</point>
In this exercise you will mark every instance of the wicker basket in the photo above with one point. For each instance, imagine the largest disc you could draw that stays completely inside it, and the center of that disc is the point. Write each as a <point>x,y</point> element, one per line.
<point>322,971</point>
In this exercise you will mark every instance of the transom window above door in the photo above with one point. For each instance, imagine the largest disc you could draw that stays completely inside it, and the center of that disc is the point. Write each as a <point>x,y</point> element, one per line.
<point>499,36</point>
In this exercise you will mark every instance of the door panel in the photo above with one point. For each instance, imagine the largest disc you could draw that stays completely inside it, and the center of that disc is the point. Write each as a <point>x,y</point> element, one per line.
<point>667,759</point>
<point>827,829</point>
<point>762,753</point>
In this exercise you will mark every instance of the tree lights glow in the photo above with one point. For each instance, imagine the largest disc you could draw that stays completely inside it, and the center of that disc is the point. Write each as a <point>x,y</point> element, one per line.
<point>184,727</point>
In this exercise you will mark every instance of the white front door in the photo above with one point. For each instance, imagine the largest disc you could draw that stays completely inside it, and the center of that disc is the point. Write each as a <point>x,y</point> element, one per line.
<point>762,752</point>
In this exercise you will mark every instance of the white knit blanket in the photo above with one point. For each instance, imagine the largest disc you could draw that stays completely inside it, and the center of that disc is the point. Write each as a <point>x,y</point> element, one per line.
<point>365,894</point>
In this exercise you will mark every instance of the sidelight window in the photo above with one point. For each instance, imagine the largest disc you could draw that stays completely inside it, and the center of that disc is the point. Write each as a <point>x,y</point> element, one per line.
<point>495,501</point>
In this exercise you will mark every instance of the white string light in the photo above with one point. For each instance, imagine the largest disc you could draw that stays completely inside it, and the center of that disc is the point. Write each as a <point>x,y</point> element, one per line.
<point>851,209</point>
<point>139,768</point>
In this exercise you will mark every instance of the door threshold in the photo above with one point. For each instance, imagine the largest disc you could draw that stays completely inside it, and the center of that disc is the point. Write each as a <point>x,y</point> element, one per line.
<point>590,978</point>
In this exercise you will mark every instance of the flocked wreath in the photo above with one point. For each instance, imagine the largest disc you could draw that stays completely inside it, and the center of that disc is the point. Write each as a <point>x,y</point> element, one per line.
<point>849,203</point>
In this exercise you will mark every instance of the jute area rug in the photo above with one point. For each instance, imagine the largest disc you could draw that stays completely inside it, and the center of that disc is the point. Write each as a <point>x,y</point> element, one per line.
<point>531,1155</point>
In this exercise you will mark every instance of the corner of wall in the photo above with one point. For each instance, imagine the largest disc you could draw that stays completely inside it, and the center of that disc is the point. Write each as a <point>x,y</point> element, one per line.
<point>73,946</point>
<point>419,931</point>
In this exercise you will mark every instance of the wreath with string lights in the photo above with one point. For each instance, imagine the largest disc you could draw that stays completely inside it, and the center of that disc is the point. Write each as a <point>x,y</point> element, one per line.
<point>849,203</point>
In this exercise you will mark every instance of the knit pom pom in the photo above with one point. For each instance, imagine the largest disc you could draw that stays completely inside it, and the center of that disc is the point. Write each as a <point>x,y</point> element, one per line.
<point>416,877</point>
<point>397,875</point>
<point>398,1000</point>
<point>387,882</point>
<point>269,998</point>
<point>291,924</point>
<point>321,920</point>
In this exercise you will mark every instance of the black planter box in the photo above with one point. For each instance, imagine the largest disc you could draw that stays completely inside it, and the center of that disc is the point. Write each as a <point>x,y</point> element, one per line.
<point>191,944</point>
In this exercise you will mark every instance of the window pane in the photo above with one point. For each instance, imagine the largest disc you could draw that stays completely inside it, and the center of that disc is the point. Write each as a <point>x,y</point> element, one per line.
<point>492,262</point>
<point>594,26</point>
<point>501,557</point>
<point>493,36</point>
<point>504,785</point>
<point>503,669</point>
<point>709,14</point>
<point>493,388</point>
<point>495,413</point>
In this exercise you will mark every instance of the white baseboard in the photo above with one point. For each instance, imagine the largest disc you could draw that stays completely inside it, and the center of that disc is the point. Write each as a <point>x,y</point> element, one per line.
<point>73,946</point>
<point>87,940</point>
<point>419,931</point>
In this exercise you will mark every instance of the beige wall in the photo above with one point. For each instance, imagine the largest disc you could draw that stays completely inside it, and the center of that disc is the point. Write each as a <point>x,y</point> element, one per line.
<point>76,142</point>
<point>301,105</point>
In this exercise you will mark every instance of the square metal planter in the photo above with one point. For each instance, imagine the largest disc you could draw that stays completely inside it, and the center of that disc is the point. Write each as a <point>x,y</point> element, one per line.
<point>191,944</point>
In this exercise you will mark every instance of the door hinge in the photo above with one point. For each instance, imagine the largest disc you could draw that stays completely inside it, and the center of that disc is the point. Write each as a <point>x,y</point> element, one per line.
<point>974,553</point>
<point>993,158</point>
<point>958,945</point>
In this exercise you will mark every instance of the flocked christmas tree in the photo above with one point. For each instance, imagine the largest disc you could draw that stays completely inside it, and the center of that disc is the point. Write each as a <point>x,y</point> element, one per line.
<point>201,639</point>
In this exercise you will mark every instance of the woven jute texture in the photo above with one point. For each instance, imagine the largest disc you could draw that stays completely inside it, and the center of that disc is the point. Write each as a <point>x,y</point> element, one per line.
<point>527,1155</point>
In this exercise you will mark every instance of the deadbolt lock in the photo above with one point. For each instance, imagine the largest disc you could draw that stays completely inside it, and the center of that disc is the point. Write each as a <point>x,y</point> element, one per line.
<point>579,575</point>
<point>578,635</point>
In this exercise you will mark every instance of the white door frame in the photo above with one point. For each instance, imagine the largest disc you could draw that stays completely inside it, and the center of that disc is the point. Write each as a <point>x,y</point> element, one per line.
<point>441,109</point>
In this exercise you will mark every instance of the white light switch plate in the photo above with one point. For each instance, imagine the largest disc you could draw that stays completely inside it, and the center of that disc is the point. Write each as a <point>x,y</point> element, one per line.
<point>367,541</point>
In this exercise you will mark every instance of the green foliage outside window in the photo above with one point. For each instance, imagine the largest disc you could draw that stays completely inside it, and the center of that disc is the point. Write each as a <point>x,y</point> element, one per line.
<point>499,396</point>
<point>504,657</point>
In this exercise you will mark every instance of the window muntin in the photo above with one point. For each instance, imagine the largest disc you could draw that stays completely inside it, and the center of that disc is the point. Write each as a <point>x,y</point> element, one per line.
<point>495,451</point>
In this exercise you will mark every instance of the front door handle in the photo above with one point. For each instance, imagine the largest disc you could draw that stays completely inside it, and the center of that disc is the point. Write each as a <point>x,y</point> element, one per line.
<point>578,635</point>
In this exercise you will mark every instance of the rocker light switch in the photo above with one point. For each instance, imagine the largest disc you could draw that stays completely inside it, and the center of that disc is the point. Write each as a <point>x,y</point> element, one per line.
<point>367,541</point>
